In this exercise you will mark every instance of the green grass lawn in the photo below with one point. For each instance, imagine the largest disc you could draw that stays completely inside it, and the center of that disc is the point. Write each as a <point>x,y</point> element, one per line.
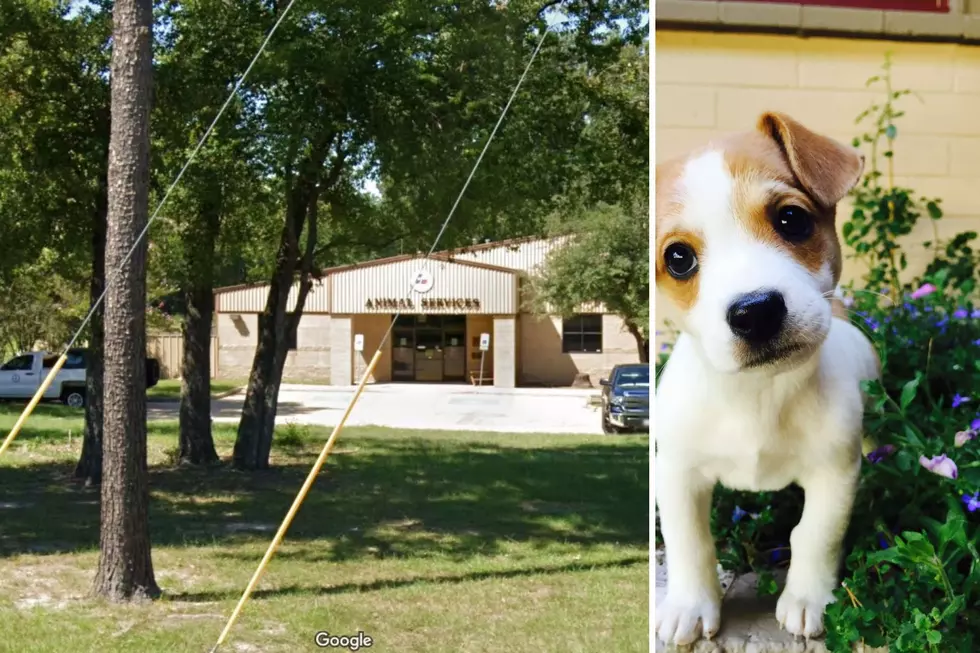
<point>425,541</point>
<point>169,389</point>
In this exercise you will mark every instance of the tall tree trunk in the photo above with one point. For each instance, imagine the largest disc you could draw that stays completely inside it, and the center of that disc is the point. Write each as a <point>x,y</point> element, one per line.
<point>196,437</point>
<point>89,465</point>
<point>125,567</point>
<point>292,322</point>
<point>262,395</point>
<point>257,426</point>
<point>642,342</point>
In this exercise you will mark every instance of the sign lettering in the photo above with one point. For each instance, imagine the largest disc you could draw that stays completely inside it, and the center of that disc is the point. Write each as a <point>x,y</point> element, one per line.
<point>389,303</point>
<point>453,303</point>
<point>426,304</point>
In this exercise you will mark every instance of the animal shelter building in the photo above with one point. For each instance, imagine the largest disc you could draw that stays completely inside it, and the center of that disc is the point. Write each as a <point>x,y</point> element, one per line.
<point>721,63</point>
<point>466,310</point>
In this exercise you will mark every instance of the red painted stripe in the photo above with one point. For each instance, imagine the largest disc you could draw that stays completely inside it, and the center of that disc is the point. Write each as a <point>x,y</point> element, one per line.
<point>930,6</point>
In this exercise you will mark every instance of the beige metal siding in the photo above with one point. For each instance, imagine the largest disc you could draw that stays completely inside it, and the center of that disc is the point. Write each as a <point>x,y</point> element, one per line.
<point>524,256</point>
<point>589,307</point>
<point>253,299</point>
<point>496,290</point>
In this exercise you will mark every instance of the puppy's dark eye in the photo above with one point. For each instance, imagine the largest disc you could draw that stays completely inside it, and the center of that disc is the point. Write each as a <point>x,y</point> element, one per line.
<point>681,261</point>
<point>794,223</point>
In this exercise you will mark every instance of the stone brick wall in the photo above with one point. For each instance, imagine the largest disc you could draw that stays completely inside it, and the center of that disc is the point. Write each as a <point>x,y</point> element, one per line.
<point>544,363</point>
<point>238,336</point>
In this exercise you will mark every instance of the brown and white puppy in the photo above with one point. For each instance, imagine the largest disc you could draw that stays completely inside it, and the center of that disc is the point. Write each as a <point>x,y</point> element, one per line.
<point>763,386</point>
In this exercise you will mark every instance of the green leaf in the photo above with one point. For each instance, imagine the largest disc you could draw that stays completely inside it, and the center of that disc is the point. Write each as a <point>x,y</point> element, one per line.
<point>766,584</point>
<point>934,637</point>
<point>888,555</point>
<point>909,391</point>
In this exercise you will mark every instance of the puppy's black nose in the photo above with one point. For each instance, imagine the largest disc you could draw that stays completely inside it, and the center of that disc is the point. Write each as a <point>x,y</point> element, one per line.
<point>757,317</point>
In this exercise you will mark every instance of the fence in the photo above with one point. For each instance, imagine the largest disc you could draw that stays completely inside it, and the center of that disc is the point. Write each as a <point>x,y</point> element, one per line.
<point>168,348</point>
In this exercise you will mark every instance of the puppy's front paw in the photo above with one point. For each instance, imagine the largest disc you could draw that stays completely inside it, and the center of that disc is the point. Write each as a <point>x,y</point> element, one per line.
<point>682,621</point>
<point>801,612</point>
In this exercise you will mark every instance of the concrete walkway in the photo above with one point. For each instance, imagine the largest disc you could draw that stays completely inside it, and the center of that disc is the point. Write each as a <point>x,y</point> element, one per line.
<point>425,406</point>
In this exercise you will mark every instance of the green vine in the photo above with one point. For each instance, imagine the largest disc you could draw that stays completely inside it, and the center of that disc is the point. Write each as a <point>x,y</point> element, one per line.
<point>884,212</point>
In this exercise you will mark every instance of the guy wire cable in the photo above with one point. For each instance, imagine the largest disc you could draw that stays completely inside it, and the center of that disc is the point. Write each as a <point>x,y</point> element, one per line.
<point>328,446</point>
<point>64,355</point>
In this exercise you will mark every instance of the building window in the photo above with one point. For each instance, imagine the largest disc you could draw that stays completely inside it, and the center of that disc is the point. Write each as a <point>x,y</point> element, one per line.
<point>582,333</point>
<point>931,6</point>
<point>291,337</point>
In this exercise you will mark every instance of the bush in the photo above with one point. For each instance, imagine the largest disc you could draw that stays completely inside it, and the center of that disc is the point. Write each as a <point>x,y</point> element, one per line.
<point>911,576</point>
<point>911,572</point>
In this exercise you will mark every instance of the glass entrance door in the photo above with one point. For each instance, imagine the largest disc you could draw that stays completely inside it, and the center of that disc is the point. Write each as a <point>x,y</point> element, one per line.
<point>454,341</point>
<point>429,348</point>
<point>428,355</point>
<point>403,349</point>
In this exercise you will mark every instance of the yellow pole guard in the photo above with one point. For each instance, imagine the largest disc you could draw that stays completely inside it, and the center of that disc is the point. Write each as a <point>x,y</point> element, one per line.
<point>297,502</point>
<point>34,402</point>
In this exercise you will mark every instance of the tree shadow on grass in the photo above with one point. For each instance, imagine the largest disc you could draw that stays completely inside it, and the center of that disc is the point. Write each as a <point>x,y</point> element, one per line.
<point>378,496</point>
<point>396,583</point>
<point>54,412</point>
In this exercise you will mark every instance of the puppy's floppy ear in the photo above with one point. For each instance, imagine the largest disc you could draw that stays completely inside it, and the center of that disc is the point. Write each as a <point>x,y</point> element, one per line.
<point>826,169</point>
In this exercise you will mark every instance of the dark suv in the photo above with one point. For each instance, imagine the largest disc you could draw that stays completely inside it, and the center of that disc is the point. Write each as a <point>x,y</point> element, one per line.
<point>626,399</point>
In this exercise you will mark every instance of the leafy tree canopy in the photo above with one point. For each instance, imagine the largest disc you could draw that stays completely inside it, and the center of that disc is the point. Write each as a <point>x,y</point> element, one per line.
<point>606,260</point>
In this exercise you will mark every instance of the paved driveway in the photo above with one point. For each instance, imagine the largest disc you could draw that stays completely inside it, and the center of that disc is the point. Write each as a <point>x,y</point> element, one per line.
<point>437,407</point>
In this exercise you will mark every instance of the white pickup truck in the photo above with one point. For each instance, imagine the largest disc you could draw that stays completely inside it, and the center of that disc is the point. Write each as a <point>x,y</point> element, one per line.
<point>21,376</point>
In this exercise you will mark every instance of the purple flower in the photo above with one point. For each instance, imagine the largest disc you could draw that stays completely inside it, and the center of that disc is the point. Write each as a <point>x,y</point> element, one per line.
<point>960,314</point>
<point>940,465</point>
<point>738,514</point>
<point>975,313</point>
<point>872,324</point>
<point>881,453</point>
<point>959,400</point>
<point>664,347</point>
<point>777,555</point>
<point>882,542</point>
<point>972,501</point>
<point>977,342</point>
<point>975,425</point>
<point>963,437</point>
<point>925,289</point>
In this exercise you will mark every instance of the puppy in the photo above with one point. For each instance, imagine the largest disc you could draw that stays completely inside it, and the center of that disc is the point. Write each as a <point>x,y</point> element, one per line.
<point>763,387</point>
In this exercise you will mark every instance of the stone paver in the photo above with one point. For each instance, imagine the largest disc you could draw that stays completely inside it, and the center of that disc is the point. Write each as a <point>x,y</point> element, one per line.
<point>748,622</point>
